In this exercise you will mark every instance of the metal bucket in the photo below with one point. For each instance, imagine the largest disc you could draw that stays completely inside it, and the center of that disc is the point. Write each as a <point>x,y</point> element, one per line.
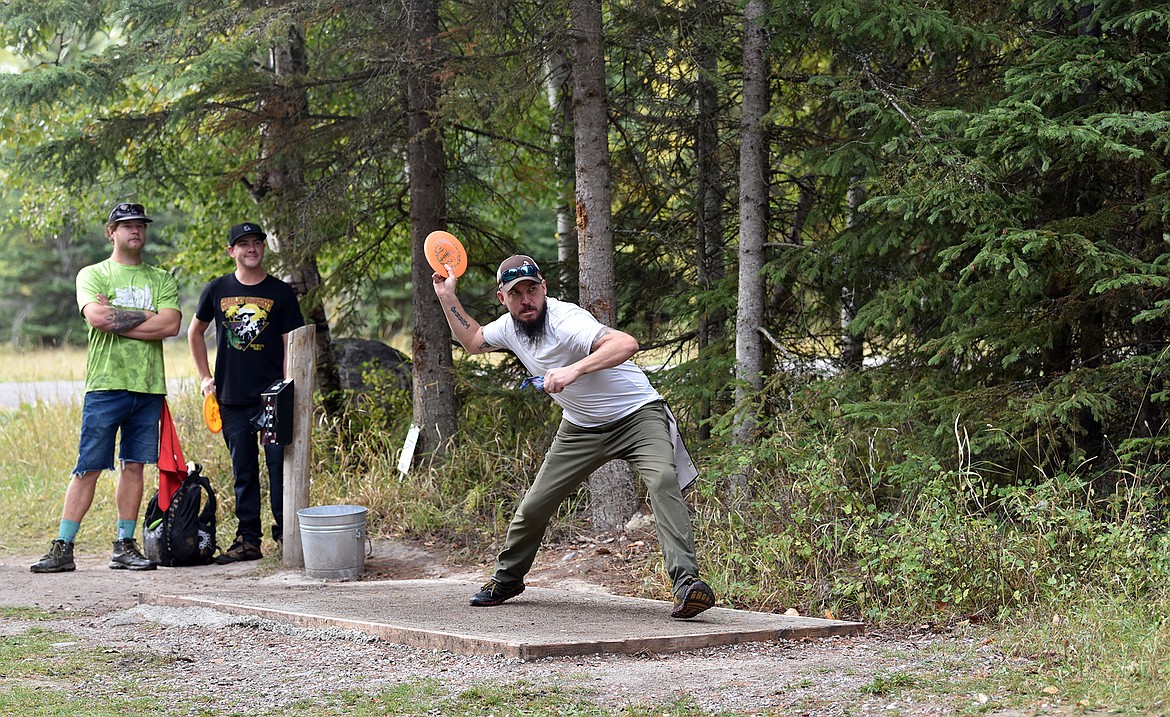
<point>333,538</point>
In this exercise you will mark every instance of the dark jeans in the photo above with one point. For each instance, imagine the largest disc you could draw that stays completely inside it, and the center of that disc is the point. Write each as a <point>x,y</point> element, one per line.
<point>242,441</point>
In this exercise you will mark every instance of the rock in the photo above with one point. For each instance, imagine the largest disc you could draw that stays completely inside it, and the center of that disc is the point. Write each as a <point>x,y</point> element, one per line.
<point>356,356</point>
<point>640,521</point>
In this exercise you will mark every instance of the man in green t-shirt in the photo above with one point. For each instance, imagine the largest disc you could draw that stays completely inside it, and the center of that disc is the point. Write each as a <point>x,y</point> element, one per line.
<point>130,308</point>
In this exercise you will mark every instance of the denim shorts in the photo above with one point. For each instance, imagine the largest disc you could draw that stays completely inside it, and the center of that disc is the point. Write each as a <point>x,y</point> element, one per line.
<point>106,413</point>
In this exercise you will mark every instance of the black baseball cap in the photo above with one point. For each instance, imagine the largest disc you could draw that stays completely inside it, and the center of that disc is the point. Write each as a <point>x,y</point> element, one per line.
<point>125,211</point>
<point>240,231</point>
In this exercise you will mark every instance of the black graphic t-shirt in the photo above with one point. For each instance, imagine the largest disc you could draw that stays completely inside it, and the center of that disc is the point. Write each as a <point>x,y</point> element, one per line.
<point>250,324</point>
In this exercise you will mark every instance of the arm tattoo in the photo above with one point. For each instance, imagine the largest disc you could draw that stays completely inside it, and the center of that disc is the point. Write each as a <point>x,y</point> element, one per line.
<point>485,346</point>
<point>605,331</point>
<point>459,318</point>
<point>123,320</point>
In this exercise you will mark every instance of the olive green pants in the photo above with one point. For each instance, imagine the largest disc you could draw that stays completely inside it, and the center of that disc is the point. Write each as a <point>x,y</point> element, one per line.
<point>642,438</point>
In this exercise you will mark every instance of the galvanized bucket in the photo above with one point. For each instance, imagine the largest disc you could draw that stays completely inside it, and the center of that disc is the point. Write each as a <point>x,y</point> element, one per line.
<point>333,538</point>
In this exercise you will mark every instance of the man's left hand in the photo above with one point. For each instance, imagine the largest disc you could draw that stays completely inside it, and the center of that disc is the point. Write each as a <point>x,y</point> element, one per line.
<point>558,379</point>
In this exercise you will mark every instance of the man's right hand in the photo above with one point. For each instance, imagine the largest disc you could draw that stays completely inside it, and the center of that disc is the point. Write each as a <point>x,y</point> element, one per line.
<point>467,331</point>
<point>444,285</point>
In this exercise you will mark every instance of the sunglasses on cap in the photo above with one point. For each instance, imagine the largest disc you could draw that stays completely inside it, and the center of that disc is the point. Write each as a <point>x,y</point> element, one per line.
<point>529,271</point>
<point>127,210</point>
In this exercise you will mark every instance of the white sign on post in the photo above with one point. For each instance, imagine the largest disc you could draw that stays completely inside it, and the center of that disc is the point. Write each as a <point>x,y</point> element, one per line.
<point>408,450</point>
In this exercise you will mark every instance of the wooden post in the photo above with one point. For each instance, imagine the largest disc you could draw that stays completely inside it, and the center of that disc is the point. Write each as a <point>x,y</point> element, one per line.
<point>298,455</point>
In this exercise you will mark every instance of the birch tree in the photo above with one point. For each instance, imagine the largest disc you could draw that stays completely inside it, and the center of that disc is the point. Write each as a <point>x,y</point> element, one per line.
<point>753,222</point>
<point>557,86</point>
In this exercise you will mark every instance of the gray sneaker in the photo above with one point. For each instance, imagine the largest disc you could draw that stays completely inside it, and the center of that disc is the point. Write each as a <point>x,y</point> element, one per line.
<point>127,556</point>
<point>59,559</point>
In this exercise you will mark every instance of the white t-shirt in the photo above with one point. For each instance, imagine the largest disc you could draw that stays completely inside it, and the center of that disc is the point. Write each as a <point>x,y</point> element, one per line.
<point>596,398</point>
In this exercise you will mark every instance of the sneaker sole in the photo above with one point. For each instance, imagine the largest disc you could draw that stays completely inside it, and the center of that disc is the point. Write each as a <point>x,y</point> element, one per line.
<point>695,602</point>
<point>228,560</point>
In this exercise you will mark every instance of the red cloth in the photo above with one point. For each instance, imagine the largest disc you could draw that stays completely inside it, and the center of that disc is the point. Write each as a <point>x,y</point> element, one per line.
<point>172,466</point>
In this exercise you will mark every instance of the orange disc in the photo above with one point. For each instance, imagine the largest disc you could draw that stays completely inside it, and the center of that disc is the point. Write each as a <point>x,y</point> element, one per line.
<point>211,413</point>
<point>443,248</point>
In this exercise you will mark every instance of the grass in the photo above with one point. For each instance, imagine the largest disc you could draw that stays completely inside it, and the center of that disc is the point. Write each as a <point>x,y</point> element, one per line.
<point>38,451</point>
<point>889,683</point>
<point>431,697</point>
<point>1098,651</point>
<point>68,364</point>
<point>33,614</point>
<point>50,674</point>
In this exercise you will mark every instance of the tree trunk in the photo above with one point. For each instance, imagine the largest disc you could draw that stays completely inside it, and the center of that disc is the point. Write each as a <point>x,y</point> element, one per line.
<point>709,187</point>
<point>557,85</point>
<point>434,385</point>
<point>611,486</point>
<point>279,189</point>
<point>753,211</point>
<point>852,345</point>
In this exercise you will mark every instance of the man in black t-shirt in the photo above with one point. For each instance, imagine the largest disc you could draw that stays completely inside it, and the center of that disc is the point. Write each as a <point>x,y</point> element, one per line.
<point>253,313</point>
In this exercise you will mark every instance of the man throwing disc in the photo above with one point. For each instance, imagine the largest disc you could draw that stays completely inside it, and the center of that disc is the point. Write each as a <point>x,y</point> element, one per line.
<point>610,411</point>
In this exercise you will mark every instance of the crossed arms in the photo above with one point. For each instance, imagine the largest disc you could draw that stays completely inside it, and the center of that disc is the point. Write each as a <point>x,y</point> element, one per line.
<point>139,324</point>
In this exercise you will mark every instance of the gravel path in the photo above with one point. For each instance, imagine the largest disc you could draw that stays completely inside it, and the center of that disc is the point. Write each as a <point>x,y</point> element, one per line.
<point>247,665</point>
<point>256,666</point>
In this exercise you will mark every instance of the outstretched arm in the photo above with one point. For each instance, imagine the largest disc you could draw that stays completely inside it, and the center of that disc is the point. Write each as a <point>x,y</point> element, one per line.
<point>467,330</point>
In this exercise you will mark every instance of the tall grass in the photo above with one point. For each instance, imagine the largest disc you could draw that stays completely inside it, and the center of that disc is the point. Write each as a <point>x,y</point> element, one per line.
<point>915,540</point>
<point>68,363</point>
<point>38,451</point>
<point>1096,648</point>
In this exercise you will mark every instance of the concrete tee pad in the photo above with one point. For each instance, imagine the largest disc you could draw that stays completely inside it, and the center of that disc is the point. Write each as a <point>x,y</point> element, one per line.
<point>542,622</point>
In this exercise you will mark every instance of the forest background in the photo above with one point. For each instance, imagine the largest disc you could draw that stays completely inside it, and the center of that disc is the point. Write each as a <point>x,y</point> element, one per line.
<point>899,267</point>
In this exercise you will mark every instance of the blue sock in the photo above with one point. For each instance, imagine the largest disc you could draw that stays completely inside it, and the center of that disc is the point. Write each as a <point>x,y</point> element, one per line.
<point>126,528</point>
<point>68,530</point>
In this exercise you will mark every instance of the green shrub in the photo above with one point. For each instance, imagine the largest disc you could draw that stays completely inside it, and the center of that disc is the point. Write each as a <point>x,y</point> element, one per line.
<point>904,540</point>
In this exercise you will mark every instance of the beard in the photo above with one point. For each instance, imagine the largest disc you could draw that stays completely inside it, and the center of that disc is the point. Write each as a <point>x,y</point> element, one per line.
<point>533,329</point>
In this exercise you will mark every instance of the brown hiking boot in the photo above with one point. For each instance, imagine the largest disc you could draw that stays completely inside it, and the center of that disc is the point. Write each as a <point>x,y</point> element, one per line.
<point>239,551</point>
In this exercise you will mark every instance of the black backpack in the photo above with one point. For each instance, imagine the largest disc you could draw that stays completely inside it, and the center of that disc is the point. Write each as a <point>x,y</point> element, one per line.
<point>183,534</point>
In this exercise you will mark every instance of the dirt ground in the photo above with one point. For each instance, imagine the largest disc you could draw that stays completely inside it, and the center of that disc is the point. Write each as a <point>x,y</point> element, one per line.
<point>931,670</point>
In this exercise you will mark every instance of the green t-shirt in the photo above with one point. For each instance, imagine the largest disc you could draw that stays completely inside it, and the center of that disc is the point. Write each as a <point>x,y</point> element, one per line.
<point>116,362</point>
